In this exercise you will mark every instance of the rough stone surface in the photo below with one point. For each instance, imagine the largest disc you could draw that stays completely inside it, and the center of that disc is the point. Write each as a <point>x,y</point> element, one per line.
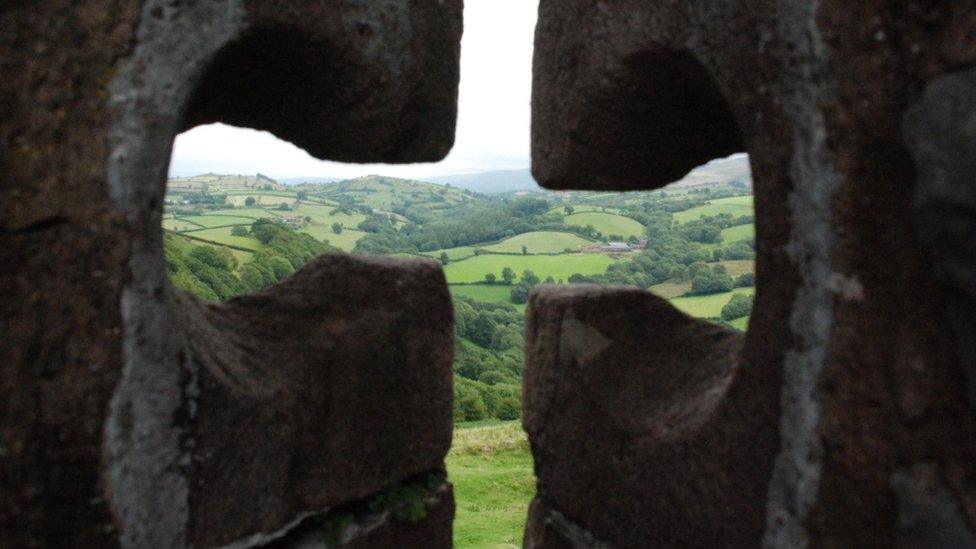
<point>104,436</point>
<point>382,530</point>
<point>852,317</point>
<point>637,414</point>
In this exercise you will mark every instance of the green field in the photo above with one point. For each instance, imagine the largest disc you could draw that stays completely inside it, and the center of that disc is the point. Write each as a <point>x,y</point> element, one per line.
<point>223,236</point>
<point>560,267</point>
<point>539,242</point>
<point>326,215</point>
<point>250,213</point>
<point>707,306</point>
<point>345,241</point>
<point>217,220</point>
<point>179,225</point>
<point>607,223</point>
<point>741,324</point>
<point>578,208</point>
<point>454,254</point>
<point>491,469</point>
<point>736,205</point>
<point>264,199</point>
<point>488,294</point>
<point>738,232</point>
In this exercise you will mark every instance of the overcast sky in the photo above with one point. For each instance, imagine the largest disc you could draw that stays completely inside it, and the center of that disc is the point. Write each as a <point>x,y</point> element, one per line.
<point>493,113</point>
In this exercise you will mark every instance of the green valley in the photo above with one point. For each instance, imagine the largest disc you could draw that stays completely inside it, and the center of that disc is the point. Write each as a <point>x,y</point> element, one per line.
<point>695,247</point>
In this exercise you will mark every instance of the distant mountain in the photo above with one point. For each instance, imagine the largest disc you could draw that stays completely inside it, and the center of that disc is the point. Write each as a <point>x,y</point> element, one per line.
<point>499,181</point>
<point>719,171</point>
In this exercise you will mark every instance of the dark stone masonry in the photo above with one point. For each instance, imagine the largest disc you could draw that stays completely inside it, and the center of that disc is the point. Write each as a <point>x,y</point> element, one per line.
<point>134,415</point>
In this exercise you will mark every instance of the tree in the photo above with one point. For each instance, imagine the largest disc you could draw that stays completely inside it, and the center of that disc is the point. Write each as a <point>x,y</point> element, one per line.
<point>568,209</point>
<point>745,280</point>
<point>445,259</point>
<point>302,195</point>
<point>508,275</point>
<point>520,293</point>
<point>530,279</point>
<point>337,227</point>
<point>490,278</point>
<point>238,230</point>
<point>739,306</point>
<point>250,201</point>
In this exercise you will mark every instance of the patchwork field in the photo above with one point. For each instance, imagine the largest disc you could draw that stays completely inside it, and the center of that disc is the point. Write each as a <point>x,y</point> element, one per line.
<point>217,220</point>
<point>607,223</point>
<point>738,232</point>
<point>708,306</point>
<point>222,236</point>
<point>539,242</point>
<point>560,267</point>
<point>736,206</point>
<point>491,469</point>
<point>454,254</point>
<point>180,225</point>
<point>345,241</point>
<point>264,199</point>
<point>326,215</point>
<point>487,293</point>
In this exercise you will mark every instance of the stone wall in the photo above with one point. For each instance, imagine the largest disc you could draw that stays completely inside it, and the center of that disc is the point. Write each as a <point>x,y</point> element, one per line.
<point>134,415</point>
<point>858,357</point>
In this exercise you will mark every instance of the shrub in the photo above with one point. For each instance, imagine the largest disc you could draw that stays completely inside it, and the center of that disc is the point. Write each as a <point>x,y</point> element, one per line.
<point>739,306</point>
<point>745,280</point>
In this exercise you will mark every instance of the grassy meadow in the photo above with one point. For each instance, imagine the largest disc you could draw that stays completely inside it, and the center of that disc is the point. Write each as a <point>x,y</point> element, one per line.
<point>539,242</point>
<point>486,293</point>
<point>707,306</point>
<point>737,206</point>
<point>560,267</point>
<point>607,223</point>
<point>491,468</point>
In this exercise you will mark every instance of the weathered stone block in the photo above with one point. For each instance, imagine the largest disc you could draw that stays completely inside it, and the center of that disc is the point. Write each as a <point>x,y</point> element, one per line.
<point>121,424</point>
<point>638,417</point>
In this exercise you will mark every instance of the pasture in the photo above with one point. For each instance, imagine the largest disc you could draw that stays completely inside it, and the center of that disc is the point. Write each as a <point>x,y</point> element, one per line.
<point>345,241</point>
<point>263,199</point>
<point>494,293</point>
<point>560,267</point>
<point>491,469</point>
<point>607,223</point>
<point>707,306</point>
<point>738,232</point>
<point>217,220</point>
<point>736,206</point>
<point>221,235</point>
<point>538,242</point>
<point>454,254</point>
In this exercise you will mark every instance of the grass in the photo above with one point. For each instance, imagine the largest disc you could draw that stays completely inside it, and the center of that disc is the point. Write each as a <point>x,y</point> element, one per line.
<point>454,254</point>
<point>264,199</point>
<point>736,205</point>
<point>741,324</point>
<point>539,242</point>
<point>560,267</point>
<point>223,236</point>
<point>707,306</point>
<point>324,215</point>
<point>491,469</point>
<point>179,225</point>
<point>497,293</point>
<point>345,241</point>
<point>737,233</point>
<point>217,220</point>
<point>607,223</point>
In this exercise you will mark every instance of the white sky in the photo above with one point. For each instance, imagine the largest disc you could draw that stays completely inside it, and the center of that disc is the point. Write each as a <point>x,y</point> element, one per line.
<point>493,113</point>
